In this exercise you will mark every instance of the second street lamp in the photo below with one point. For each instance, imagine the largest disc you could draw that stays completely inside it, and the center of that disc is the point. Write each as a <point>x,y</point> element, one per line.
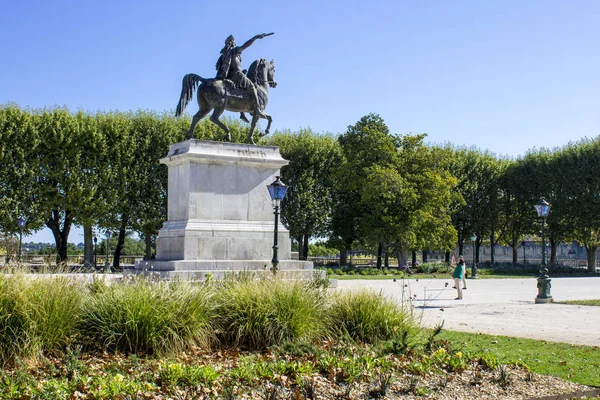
<point>543,209</point>
<point>474,266</point>
<point>107,263</point>
<point>95,252</point>
<point>21,223</point>
<point>277,191</point>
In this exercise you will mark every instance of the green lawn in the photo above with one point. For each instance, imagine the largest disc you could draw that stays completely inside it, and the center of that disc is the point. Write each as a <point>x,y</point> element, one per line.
<point>579,364</point>
<point>581,302</point>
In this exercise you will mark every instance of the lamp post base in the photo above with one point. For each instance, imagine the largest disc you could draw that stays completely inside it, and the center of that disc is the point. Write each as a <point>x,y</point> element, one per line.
<point>544,284</point>
<point>545,300</point>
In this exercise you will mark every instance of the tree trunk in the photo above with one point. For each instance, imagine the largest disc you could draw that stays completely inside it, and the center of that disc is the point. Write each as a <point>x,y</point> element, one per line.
<point>120,244</point>
<point>386,259</point>
<point>300,248</point>
<point>379,255</point>
<point>402,258</point>
<point>515,254</point>
<point>88,246</point>
<point>477,244</point>
<point>447,257</point>
<point>61,236</point>
<point>414,258</point>
<point>553,252</point>
<point>305,247</point>
<point>425,252</point>
<point>460,246</point>
<point>591,257</point>
<point>343,256</point>
<point>492,246</point>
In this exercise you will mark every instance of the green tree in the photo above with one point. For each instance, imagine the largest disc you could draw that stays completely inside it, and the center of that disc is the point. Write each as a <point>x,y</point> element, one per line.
<point>19,140</point>
<point>367,147</point>
<point>154,133</point>
<point>306,208</point>
<point>576,167</point>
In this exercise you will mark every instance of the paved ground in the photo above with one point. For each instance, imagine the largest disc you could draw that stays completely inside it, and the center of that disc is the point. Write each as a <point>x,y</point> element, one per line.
<point>501,306</point>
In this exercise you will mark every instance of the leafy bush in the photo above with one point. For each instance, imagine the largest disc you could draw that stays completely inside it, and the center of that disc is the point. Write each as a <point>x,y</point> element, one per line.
<point>12,322</point>
<point>367,316</point>
<point>37,315</point>
<point>316,250</point>
<point>149,316</point>
<point>268,312</point>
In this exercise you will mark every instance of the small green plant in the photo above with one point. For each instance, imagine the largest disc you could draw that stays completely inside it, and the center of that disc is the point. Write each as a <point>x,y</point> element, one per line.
<point>490,361</point>
<point>177,374</point>
<point>504,378</point>
<point>309,388</point>
<point>382,386</point>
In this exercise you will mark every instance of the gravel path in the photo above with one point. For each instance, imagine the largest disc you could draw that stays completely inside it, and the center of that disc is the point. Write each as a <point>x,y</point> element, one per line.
<point>501,306</point>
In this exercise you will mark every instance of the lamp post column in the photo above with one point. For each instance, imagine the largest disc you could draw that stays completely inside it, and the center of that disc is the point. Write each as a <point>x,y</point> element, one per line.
<point>277,191</point>
<point>20,244</point>
<point>95,252</point>
<point>107,263</point>
<point>474,266</point>
<point>543,281</point>
<point>21,223</point>
<point>275,260</point>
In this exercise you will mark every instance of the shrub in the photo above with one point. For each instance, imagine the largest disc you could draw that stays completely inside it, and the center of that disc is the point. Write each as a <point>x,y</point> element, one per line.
<point>267,312</point>
<point>367,316</point>
<point>12,322</point>
<point>53,308</point>
<point>149,316</point>
<point>37,315</point>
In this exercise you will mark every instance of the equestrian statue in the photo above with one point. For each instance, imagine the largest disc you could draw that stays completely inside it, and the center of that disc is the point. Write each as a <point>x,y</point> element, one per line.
<point>232,89</point>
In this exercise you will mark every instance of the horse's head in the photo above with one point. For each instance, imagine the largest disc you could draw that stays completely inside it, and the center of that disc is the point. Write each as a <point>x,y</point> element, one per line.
<point>261,72</point>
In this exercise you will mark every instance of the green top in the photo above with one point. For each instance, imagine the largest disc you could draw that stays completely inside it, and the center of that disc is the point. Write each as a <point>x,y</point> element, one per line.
<point>458,271</point>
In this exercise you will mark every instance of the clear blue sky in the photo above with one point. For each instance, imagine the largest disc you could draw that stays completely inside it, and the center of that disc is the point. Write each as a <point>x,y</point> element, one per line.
<point>505,75</point>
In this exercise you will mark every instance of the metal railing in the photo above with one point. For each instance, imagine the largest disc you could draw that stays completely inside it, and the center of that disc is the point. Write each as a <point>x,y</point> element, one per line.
<point>77,260</point>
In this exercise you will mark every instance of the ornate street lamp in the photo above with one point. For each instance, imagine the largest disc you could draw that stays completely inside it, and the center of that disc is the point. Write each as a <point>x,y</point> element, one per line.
<point>21,223</point>
<point>474,266</point>
<point>544,285</point>
<point>95,252</point>
<point>107,263</point>
<point>277,191</point>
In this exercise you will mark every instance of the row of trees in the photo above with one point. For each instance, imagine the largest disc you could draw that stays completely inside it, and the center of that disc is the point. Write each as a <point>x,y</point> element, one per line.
<point>392,193</point>
<point>93,170</point>
<point>366,187</point>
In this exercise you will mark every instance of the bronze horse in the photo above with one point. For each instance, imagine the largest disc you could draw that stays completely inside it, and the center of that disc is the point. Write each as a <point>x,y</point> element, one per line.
<point>221,95</point>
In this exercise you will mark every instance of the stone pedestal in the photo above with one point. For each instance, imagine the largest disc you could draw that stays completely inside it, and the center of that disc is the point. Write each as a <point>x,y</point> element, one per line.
<point>220,216</point>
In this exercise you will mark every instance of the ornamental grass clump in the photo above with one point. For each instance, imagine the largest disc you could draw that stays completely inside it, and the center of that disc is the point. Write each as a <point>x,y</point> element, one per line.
<point>37,315</point>
<point>12,322</point>
<point>145,316</point>
<point>261,313</point>
<point>367,316</point>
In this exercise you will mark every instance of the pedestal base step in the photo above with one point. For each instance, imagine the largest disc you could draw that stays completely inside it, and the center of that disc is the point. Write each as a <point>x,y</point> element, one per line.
<point>219,269</point>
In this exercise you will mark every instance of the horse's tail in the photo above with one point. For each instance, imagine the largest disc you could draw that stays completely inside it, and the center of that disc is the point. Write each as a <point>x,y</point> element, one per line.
<point>188,87</point>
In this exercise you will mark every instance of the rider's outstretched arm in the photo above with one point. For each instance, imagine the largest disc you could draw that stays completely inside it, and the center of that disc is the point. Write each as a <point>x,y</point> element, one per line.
<point>249,42</point>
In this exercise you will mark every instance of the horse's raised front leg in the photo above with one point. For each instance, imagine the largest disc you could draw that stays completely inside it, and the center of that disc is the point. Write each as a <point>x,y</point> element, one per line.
<point>268,118</point>
<point>195,119</point>
<point>215,120</point>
